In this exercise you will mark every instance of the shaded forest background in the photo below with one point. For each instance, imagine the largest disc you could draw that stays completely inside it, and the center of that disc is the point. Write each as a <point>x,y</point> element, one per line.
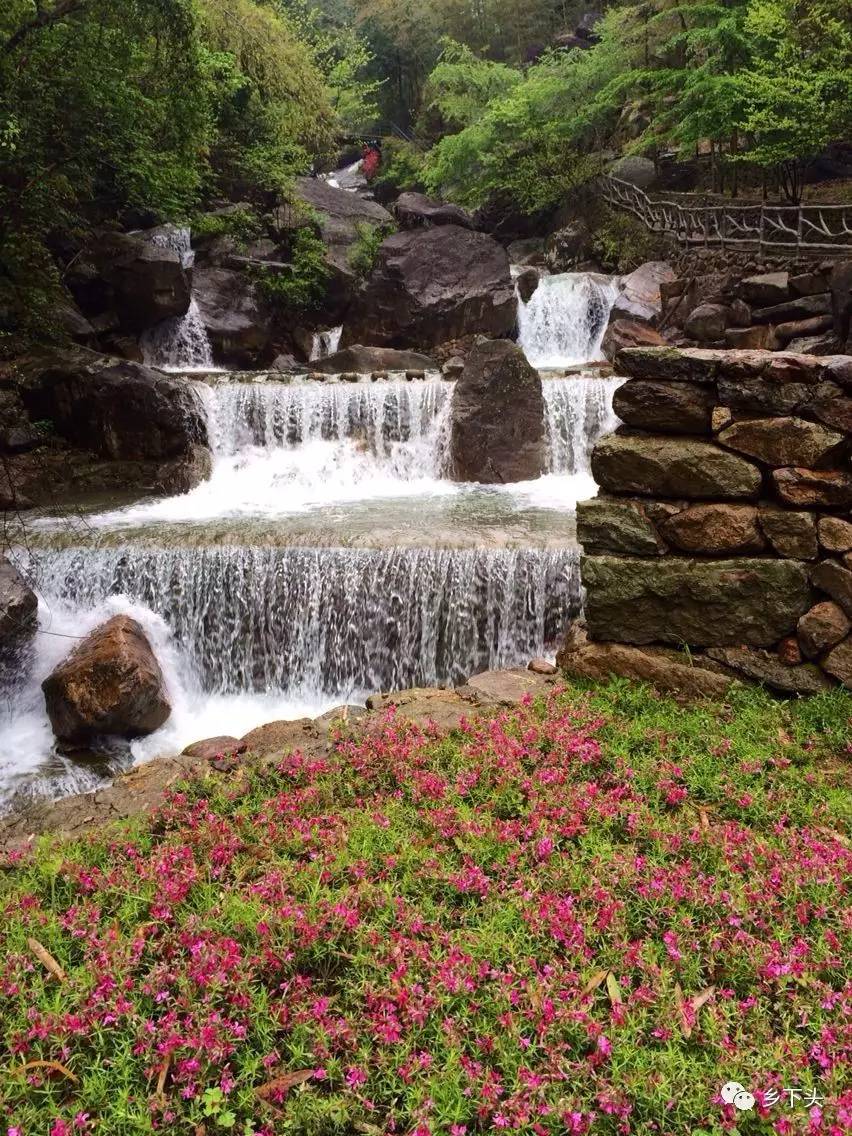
<point>151,110</point>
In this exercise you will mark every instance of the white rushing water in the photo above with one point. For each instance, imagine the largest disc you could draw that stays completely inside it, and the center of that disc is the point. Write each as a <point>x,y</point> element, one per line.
<point>250,629</point>
<point>179,344</point>
<point>564,321</point>
<point>325,343</point>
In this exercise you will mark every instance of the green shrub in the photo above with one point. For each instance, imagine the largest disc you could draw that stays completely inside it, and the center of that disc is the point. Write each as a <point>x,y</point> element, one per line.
<point>303,285</point>
<point>241,223</point>
<point>621,242</point>
<point>363,253</point>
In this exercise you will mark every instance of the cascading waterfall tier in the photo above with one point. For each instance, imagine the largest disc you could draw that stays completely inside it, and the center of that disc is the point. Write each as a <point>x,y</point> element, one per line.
<point>564,321</point>
<point>178,344</point>
<point>378,417</point>
<point>335,621</point>
<point>578,411</point>
<point>325,343</point>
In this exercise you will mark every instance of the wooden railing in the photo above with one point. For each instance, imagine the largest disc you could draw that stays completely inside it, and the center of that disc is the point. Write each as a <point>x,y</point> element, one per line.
<point>760,226</point>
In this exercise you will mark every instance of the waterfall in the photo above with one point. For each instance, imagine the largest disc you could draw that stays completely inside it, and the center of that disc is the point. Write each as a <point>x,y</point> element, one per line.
<point>178,344</point>
<point>565,319</point>
<point>325,343</point>
<point>334,621</point>
<point>577,411</point>
<point>178,238</point>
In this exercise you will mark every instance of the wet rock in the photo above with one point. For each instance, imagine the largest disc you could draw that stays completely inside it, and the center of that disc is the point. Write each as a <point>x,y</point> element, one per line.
<point>231,311</point>
<point>211,748</point>
<point>784,441</point>
<point>542,667</point>
<point>18,613</point>
<point>700,602</point>
<point>507,687</point>
<point>497,432</point>
<point>186,472</point>
<point>111,684</point>
<point>833,578</point>
<point>364,360</point>
<point>754,396</point>
<point>769,288</point>
<point>813,488</point>
<point>766,668</point>
<point>835,534</point>
<point>822,628</point>
<point>453,367</point>
<point>707,323</point>
<point>146,283</point>
<point>433,285</point>
<point>527,252</point>
<point>567,247</point>
<point>276,738</point>
<point>122,412</point>
<point>662,668</point>
<point>791,534</point>
<point>640,298</point>
<point>417,211</point>
<point>802,308</point>
<point>671,408</point>
<point>339,716</point>
<point>605,524</point>
<point>526,282</point>
<point>672,467</point>
<point>715,530</point>
<point>839,663</point>
<point>623,333</point>
<point>706,364</point>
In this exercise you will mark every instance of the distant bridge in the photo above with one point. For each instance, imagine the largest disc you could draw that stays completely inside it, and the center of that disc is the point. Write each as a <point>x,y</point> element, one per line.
<point>820,227</point>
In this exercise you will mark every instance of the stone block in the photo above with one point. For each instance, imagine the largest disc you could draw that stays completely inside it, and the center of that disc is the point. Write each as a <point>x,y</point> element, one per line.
<point>759,338</point>
<point>715,530</point>
<point>813,488</point>
<point>672,467</point>
<point>835,534</point>
<point>671,408</point>
<point>755,396</point>
<point>707,323</point>
<point>791,534</point>
<point>705,364</point>
<point>802,308</point>
<point>751,601</point>
<point>808,284</point>
<point>839,663</point>
<point>769,288</point>
<point>765,667</point>
<point>836,581</point>
<point>821,628</point>
<point>784,441</point>
<point>835,412</point>
<point>607,525</point>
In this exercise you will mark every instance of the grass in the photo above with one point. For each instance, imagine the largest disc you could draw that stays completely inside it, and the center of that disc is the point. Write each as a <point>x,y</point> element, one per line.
<point>586,916</point>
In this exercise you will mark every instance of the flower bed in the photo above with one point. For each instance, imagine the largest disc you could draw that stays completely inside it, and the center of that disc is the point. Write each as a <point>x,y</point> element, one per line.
<point>583,917</point>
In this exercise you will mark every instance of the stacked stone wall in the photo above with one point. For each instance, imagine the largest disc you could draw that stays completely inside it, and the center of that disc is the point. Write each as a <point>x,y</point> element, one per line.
<point>720,544</point>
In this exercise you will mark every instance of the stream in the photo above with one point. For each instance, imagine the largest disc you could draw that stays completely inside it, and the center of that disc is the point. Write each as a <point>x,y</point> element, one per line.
<point>329,555</point>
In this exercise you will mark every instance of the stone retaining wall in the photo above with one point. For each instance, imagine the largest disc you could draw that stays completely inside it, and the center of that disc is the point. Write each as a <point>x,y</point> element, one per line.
<point>722,525</point>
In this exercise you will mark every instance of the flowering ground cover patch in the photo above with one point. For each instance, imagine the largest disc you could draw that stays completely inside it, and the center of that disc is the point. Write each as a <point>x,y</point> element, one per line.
<point>588,915</point>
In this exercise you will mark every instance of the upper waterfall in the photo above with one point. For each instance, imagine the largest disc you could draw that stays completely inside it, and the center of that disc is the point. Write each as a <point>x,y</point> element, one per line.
<point>564,321</point>
<point>179,344</point>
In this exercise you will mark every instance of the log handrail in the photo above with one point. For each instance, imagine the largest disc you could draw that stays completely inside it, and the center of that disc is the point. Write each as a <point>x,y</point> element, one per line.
<point>759,225</point>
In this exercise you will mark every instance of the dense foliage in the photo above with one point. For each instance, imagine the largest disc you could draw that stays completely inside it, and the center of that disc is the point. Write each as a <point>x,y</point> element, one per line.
<point>586,916</point>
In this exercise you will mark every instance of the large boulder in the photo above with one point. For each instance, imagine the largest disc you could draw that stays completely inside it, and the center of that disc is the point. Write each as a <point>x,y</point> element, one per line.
<point>639,298</point>
<point>434,285</point>
<point>18,613</point>
<point>342,216</point>
<point>635,170</point>
<point>498,417</point>
<point>121,411</point>
<point>110,685</point>
<point>140,281</point>
<point>417,211</point>
<point>716,603</point>
<point>233,315</point>
<point>707,323</point>
<point>672,467</point>
<point>364,360</point>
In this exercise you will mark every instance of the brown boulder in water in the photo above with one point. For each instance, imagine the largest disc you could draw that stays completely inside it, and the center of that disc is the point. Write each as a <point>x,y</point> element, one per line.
<point>111,684</point>
<point>498,417</point>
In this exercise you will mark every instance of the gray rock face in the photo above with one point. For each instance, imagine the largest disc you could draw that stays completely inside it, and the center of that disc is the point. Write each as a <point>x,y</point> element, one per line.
<point>497,417</point>
<point>122,412</point>
<point>635,170</point>
<point>640,292</point>
<point>417,211</point>
<point>606,524</point>
<point>111,684</point>
<point>707,323</point>
<point>716,603</point>
<point>364,360</point>
<point>672,467</point>
<point>671,408</point>
<point>770,288</point>
<point>148,282</point>
<point>526,282</point>
<point>765,667</point>
<point>791,534</point>
<point>433,285</point>
<point>18,613</point>
<point>706,364</point>
<point>783,441</point>
<point>233,315</point>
